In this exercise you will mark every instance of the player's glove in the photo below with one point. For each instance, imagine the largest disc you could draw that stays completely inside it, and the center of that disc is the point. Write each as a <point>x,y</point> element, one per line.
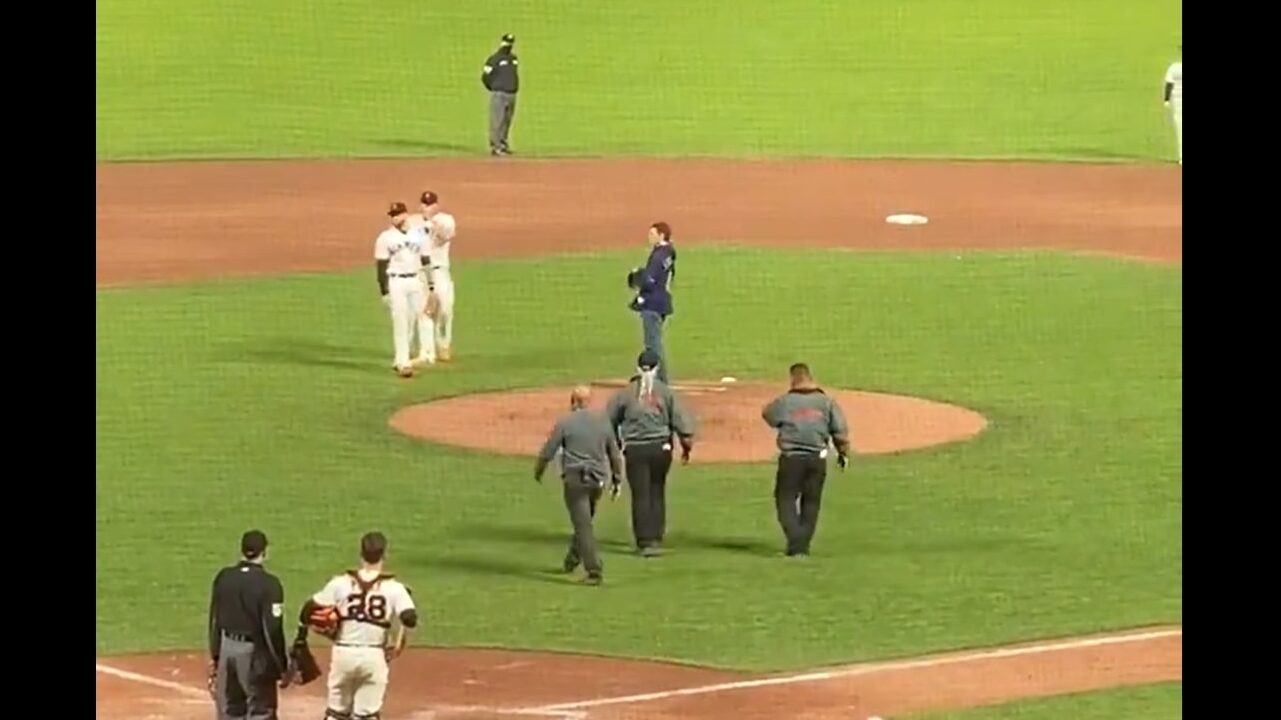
<point>324,620</point>
<point>633,278</point>
<point>433,305</point>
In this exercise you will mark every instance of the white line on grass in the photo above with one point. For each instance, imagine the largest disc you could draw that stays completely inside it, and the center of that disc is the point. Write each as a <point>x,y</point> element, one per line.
<point>872,668</point>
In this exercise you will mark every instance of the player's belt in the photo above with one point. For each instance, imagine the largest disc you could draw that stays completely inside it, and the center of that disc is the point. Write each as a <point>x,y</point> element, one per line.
<point>404,275</point>
<point>358,645</point>
<point>434,268</point>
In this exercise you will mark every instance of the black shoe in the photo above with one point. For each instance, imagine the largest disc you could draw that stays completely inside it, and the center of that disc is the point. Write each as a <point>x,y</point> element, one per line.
<point>569,565</point>
<point>594,580</point>
<point>650,551</point>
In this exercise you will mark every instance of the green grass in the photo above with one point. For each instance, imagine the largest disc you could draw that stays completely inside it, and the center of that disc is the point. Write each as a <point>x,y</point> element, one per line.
<point>954,78</point>
<point>1162,701</point>
<point>264,403</point>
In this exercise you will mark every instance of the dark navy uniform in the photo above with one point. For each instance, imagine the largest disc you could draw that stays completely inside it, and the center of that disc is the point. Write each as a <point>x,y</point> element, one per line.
<point>501,77</point>
<point>246,639</point>
<point>653,299</point>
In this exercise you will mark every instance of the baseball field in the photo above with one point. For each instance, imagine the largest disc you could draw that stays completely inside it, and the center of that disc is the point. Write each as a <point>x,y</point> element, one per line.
<point>1008,540</point>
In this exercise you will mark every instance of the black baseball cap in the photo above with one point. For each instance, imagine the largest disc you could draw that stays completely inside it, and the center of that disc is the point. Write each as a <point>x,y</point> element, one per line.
<point>648,360</point>
<point>253,544</point>
<point>397,208</point>
<point>509,39</point>
<point>429,198</point>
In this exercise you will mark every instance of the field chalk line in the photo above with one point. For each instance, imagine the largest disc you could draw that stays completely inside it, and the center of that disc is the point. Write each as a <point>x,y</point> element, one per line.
<point>202,697</point>
<point>872,668</point>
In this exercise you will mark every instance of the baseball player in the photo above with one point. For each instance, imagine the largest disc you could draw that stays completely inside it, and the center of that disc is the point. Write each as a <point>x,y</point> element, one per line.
<point>1174,98</point>
<point>806,420</point>
<point>646,414</point>
<point>367,603</point>
<point>399,257</point>
<point>438,229</point>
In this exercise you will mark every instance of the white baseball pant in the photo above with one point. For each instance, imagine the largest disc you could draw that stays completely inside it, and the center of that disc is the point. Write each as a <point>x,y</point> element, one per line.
<point>1176,106</point>
<point>408,298</point>
<point>444,284</point>
<point>357,681</point>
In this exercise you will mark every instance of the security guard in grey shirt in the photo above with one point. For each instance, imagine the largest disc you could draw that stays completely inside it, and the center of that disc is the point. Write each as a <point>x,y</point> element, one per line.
<point>646,414</point>
<point>246,638</point>
<point>806,420</point>
<point>589,455</point>
<point>501,78</point>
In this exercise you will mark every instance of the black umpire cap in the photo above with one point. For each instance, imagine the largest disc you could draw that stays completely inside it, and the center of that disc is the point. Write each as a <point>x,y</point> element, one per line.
<point>509,39</point>
<point>648,360</point>
<point>253,544</point>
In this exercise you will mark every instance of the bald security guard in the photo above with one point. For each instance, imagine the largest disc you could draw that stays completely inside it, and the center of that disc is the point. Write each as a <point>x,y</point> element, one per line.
<point>589,454</point>
<point>246,639</point>
<point>806,420</point>
<point>646,414</point>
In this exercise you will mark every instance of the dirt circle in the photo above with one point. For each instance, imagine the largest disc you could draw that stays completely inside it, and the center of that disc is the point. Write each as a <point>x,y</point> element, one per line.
<point>729,428</point>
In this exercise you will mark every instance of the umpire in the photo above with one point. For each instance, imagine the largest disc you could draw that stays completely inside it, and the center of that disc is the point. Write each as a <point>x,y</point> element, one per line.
<point>246,640</point>
<point>589,454</point>
<point>806,420</point>
<point>501,78</point>
<point>646,414</point>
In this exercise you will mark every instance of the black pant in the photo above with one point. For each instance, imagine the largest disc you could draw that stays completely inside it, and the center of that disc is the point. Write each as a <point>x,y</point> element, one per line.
<point>581,495</point>
<point>246,687</point>
<point>647,467</point>
<point>798,494</point>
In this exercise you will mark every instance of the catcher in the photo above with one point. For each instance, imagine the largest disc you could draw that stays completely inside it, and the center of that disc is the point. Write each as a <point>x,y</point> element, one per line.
<point>357,610</point>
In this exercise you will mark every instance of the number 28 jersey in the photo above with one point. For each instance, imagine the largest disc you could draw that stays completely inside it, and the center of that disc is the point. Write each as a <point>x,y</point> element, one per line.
<point>367,604</point>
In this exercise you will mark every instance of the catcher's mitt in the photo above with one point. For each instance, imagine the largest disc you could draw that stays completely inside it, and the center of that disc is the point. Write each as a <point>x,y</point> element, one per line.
<point>303,662</point>
<point>433,305</point>
<point>324,620</point>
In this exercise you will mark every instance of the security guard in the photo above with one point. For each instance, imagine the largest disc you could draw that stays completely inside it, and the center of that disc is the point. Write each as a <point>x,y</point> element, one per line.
<point>501,78</point>
<point>806,420</point>
<point>646,414</point>
<point>246,638</point>
<point>589,452</point>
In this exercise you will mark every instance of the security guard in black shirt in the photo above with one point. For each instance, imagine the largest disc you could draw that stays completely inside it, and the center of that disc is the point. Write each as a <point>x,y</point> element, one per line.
<point>246,639</point>
<point>501,79</point>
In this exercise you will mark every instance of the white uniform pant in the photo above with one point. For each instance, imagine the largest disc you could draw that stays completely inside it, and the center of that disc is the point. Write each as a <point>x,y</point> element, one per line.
<point>444,284</point>
<point>1176,109</point>
<point>408,299</point>
<point>357,680</point>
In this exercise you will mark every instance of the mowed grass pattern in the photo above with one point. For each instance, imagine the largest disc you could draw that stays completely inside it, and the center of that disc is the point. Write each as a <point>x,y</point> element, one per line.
<point>264,403</point>
<point>1161,701</point>
<point>945,78</point>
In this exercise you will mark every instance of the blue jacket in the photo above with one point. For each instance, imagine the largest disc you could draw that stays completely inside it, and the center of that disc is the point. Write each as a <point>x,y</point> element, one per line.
<point>653,281</point>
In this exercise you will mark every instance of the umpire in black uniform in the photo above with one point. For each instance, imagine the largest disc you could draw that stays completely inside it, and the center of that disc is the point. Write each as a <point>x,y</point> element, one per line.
<point>246,638</point>
<point>501,78</point>
<point>806,420</point>
<point>646,414</point>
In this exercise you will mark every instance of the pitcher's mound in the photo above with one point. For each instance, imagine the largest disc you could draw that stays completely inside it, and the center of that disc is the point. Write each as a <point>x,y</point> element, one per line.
<point>728,415</point>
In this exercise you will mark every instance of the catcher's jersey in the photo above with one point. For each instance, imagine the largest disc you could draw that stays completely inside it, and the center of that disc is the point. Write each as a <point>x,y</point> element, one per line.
<point>403,251</point>
<point>367,605</point>
<point>1174,76</point>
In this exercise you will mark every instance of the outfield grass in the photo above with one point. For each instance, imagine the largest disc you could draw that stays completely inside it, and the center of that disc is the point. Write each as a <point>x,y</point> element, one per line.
<point>954,78</point>
<point>1162,701</point>
<point>264,402</point>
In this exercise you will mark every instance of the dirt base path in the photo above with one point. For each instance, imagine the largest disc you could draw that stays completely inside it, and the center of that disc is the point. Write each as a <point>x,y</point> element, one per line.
<point>501,685</point>
<point>163,222</point>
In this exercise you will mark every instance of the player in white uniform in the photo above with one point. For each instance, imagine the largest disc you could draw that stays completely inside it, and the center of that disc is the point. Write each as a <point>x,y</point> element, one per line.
<point>400,256</point>
<point>1174,98</point>
<point>440,229</point>
<point>368,602</point>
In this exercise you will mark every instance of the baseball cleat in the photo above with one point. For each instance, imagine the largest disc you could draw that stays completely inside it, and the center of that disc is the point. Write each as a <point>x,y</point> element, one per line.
<point>420,361</point>
<point>405,372</point>
<point>445,356</point>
